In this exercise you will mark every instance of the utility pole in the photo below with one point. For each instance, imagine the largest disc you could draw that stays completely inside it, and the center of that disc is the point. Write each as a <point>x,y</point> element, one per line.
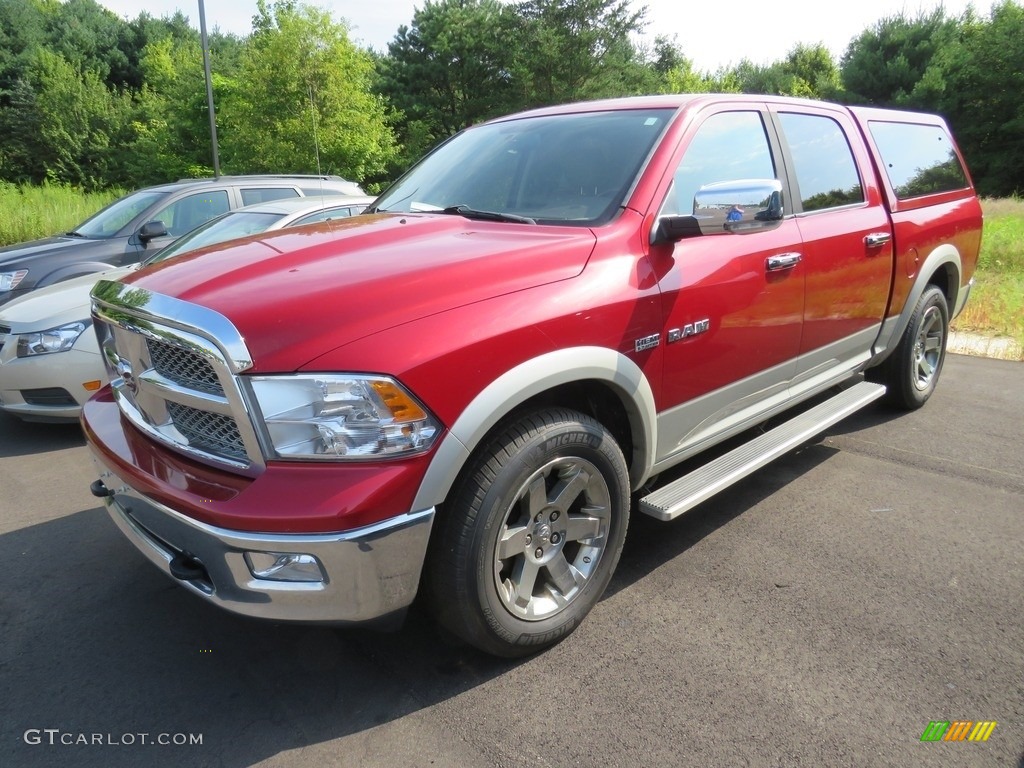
<point>209,88</point>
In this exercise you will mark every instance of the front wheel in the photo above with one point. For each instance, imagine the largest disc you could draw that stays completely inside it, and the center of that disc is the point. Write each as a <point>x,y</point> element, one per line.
<point>911,372</point>
<point>531,535</point>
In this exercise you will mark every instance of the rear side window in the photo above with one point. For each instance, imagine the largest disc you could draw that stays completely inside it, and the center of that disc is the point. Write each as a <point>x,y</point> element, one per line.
<point>919,159</point>
<point>251,196</point>
<point>825,169</point>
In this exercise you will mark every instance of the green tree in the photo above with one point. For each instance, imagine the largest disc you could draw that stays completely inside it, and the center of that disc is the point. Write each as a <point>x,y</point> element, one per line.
<point>982,78</point>
<point>87,35</point>
<point>304,98</point>
<point>79,121</point>
<point>448,69</point>
<point>22,151</point>
<point>171,124</point>
<point>885,64</point>
<point>808,71</point>
<point>567,50</point>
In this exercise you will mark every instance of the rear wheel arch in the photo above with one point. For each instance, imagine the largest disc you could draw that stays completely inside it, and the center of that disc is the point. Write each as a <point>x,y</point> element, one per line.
<point>942,268</point>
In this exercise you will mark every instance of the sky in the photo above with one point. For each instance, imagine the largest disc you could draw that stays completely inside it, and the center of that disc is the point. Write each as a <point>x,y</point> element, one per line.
<point>711,34</point>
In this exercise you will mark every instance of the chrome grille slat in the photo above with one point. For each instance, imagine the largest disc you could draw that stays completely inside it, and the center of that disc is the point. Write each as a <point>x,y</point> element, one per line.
<point>207,431</point>
<point>183,366</point>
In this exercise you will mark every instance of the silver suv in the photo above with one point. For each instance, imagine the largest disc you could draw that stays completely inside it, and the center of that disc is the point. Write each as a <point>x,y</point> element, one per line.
<point>132,228</point>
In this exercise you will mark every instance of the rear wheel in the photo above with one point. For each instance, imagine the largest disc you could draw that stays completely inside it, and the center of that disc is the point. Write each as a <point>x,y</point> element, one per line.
<point>911,372</point>
<point>530,537</point>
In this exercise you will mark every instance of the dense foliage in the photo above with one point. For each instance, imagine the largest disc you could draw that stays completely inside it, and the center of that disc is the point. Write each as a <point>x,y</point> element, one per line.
<point>92,100</point>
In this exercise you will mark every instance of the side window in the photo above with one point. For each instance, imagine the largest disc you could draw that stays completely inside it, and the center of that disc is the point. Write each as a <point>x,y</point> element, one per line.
<point>189,212</point>
<point>250,196</point>
<point>919,159</point>
<point>326,215</point>
<point>729,146</point>
<point>825,169</point>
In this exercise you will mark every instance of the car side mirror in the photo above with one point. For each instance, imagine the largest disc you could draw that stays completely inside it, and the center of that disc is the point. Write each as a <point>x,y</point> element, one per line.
<point>747,205</point>
<point>152,230</point>
<point>739,207</point>
<point>673,228</point>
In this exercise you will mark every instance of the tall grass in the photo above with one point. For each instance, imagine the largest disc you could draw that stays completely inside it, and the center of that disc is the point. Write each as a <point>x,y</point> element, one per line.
<point>996,306</point>
<point>29,212</point>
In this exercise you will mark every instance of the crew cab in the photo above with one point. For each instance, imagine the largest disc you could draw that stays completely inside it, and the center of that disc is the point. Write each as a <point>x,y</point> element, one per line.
<point>463,393</point>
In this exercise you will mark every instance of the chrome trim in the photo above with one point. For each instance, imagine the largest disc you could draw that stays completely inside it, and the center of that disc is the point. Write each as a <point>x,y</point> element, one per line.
<point>687,429</point>
<point>876,239</point>
<point>370,572</point>
<point>127,320</point>
<point>682,495</point>
<point>782,261</point>
<point>174,392</point>
<point>117,298</point>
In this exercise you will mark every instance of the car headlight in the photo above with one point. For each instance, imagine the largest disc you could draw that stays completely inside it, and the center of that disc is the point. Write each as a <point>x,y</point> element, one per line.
<point>53,340</point>
<point>9,280</point>
<point>339,416</point>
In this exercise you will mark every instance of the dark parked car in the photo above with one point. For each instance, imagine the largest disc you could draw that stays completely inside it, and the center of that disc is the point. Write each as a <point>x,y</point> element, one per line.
<point>136,226</point>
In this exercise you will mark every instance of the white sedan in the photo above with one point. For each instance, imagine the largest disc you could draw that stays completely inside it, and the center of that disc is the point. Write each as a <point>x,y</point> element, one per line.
<point>49,360</point>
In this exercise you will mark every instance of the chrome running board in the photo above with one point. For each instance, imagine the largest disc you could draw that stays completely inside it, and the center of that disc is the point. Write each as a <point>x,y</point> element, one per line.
<point>682,495</point>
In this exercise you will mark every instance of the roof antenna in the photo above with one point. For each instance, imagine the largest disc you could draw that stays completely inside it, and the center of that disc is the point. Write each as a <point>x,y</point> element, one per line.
<point>316,140</point>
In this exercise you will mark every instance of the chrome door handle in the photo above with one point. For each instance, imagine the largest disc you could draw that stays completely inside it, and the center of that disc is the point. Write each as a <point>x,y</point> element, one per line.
<point>782,261</point>
<point>876,239</point>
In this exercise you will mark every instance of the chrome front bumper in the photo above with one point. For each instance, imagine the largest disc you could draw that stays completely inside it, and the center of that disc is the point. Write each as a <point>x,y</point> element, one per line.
<point>366,574</point>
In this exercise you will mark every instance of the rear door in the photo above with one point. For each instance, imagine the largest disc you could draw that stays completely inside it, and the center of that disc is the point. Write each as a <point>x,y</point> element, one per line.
<point>847,237</point>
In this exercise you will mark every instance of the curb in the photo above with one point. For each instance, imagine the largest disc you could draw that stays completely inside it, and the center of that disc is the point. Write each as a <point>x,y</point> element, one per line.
<point>998,348</point>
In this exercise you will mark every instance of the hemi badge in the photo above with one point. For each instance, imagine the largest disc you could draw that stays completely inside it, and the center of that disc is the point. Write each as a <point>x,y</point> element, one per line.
<point>648,342</point>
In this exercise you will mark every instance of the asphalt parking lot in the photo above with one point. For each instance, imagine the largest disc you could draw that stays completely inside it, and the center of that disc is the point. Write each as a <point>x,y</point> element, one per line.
<point>821,613</point>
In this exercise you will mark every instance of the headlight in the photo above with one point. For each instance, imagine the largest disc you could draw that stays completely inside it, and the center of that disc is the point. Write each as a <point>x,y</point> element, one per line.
<point>9,280</point>
<point>54,340</point>
<point>338,416</point>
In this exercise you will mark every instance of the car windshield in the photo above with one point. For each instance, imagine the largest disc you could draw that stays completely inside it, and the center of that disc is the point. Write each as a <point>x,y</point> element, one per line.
<point>116,216</point>
<point>227,226</point>
<point>556,169</point>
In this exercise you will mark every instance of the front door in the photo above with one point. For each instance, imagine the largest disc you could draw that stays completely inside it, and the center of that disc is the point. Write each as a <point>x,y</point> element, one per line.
<point>732,310</point>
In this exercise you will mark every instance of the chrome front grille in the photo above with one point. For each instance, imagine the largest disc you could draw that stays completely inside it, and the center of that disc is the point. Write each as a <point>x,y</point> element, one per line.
<point>183,366</point>
<point>212,432</point>
<point>173,368</point>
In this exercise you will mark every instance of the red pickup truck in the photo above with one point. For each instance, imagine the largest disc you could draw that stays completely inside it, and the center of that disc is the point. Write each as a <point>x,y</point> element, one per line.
<point>462,393</point>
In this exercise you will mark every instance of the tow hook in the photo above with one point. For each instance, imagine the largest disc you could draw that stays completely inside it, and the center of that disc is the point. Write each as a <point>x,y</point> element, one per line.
<point>98,489</point>
<point>186,567</point>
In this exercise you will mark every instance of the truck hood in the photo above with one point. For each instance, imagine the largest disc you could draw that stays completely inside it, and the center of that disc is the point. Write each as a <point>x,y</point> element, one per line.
<point>60,303</point>
<point>296,294</point>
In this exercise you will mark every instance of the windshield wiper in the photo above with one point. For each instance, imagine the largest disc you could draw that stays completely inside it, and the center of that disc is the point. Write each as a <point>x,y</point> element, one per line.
<point>472,213</point>
<point>73,234</point>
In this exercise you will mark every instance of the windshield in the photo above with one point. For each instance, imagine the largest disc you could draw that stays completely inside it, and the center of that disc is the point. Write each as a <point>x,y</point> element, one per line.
<point>115,216</point>
<point>227,226</point>
<point>558,169</point>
